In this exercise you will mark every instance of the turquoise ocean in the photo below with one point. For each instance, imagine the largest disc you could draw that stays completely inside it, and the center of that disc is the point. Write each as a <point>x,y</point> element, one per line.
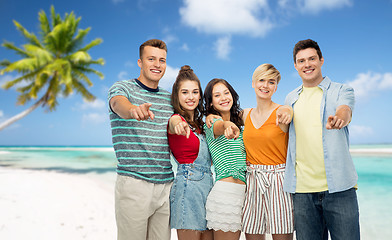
<point>373,164</point>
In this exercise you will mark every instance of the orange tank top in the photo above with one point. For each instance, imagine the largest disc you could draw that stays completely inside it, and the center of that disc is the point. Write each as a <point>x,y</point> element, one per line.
<point>266,145</point>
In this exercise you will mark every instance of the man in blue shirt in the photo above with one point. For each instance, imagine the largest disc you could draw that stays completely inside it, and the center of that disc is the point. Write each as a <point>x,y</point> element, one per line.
<point>319,168</point>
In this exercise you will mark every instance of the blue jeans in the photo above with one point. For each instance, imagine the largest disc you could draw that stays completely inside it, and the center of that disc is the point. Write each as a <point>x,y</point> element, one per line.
<point>317,213</point>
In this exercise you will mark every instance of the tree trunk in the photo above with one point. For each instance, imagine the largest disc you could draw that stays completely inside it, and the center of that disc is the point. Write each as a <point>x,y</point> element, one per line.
<point>21,115</point>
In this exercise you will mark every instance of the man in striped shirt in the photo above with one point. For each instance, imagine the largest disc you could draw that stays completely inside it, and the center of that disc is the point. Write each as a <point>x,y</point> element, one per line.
<point>139,112</point>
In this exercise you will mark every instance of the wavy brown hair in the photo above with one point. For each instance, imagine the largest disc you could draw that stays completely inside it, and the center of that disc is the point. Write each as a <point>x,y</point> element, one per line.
<point>235,111</point>
<point>187,74</point>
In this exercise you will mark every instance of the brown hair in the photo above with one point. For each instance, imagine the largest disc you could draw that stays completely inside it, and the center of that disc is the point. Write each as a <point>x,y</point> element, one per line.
<point>187,74</point>
<point>235,111</point>
<point>304,44</point>
<point>153,43</point>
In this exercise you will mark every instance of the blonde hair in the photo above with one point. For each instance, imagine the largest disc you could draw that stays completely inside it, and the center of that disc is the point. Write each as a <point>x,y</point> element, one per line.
<point>266,71</point>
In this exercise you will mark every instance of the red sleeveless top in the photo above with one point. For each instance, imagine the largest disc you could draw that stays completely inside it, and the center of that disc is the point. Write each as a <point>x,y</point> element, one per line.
<point>185,150</point>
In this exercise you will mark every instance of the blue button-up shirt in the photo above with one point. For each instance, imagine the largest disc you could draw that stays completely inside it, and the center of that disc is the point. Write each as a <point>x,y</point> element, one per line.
<point>339,167</point>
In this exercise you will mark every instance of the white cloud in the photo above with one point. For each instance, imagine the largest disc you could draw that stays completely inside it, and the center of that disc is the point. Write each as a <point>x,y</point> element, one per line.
<point>129,64</point>
<point>359,130</point>
<point>247,17</point>
<point>222,47</point>
<point>1,114</point>
<point>386,82</point>
<point>168,79</point>
<point>253,18</point>
<point>369,84</point>
<point>96,104</point>
<point>123,75</point>
<point>169,38</point>
<point>184,47</point>
<point>315,6</point>
<point>94,118</point>
<point>10,77</point>
<point>283,3</point>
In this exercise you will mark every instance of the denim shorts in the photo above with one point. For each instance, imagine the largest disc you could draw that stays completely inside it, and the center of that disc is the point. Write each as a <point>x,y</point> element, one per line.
<point>188,197</point>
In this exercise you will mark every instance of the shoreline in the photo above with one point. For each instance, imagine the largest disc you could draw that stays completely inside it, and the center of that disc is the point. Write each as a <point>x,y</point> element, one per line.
<point>75,199</point>
<point>50,205</point>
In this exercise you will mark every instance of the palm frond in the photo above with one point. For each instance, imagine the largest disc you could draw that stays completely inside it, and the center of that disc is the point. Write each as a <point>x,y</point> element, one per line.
<point>29,36</point>
<point>38,84</point>
<point>23,98</point>
<point>4,63</point>
<point>80,88</point>
<point>18,51</point>
<point>27,78</point>
<point>56,19</point>
<point>23,66</point>
<point>93,43</point>
<point>85,69</point>
<point>42,55</point>
<point>79,57</point>
<point>79,75</point>
<point>78,40</point>
<point>44,23</point>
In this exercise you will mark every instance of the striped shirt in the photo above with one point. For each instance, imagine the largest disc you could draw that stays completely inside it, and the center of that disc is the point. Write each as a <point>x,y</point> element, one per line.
<point>141,147</point>
<point>228,155</point>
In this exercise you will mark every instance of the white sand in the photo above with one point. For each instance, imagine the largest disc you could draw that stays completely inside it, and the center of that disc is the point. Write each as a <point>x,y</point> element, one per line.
<point>44,205</point>
<point>48,205</point>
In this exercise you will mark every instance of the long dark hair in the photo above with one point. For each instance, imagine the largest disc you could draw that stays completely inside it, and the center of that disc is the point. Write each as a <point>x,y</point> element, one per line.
<point>235,111</point>
<point>187,74</point>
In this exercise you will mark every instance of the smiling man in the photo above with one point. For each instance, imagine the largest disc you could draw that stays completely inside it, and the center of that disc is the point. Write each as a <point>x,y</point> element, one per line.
<point>139,112</point>
<point>319,168</point>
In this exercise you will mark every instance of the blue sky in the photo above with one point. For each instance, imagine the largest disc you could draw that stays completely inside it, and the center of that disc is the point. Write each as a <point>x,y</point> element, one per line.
<point>217,38</point>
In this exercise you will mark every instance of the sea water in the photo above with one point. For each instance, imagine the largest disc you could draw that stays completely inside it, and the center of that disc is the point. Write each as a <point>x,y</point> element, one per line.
<point>373,164</point>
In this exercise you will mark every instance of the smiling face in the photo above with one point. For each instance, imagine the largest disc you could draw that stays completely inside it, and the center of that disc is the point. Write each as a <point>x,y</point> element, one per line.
<point>265,88</point>
<point>189,96</point>
<point>308,64</point>
<point>152,66</point>
<point>222,100</point>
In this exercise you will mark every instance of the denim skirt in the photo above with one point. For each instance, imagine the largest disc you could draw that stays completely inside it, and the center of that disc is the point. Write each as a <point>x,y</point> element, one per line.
<point>188,197</point>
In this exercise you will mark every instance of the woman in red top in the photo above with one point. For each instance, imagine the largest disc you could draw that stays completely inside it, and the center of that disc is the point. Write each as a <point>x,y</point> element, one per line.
<point>187,143</point>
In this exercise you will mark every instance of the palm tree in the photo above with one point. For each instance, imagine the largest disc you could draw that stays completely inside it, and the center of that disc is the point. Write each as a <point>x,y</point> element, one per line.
<point>54,65</point>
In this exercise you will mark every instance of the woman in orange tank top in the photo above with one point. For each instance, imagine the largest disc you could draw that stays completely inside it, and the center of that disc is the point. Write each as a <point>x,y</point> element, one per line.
<point>267,209</point>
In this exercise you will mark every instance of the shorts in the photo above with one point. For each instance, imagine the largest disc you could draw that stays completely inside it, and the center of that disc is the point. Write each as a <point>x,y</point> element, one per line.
<point>142,209</point>
<point>188,197</point>
<point>267,208</point>
<point>224,206</point>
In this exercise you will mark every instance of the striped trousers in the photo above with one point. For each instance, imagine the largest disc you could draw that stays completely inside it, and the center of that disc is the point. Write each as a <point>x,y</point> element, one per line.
<point>267,208</point>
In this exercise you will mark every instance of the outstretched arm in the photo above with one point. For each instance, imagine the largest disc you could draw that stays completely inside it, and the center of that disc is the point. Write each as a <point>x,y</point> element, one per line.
<point>227,128</point>
<point>126,110</point>
<point>178,126</point>
<point>341,119</point>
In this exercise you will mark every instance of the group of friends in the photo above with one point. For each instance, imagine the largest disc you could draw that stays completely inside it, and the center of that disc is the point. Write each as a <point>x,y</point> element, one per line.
<point>279,169</point>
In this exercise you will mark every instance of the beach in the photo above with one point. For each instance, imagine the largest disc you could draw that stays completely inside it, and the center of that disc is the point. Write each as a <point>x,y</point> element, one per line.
<point>40,204</point>
<point>67,198</point>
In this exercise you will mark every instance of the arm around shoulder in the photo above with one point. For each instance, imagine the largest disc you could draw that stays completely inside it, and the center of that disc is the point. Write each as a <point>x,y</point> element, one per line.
<point>284,116</point>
